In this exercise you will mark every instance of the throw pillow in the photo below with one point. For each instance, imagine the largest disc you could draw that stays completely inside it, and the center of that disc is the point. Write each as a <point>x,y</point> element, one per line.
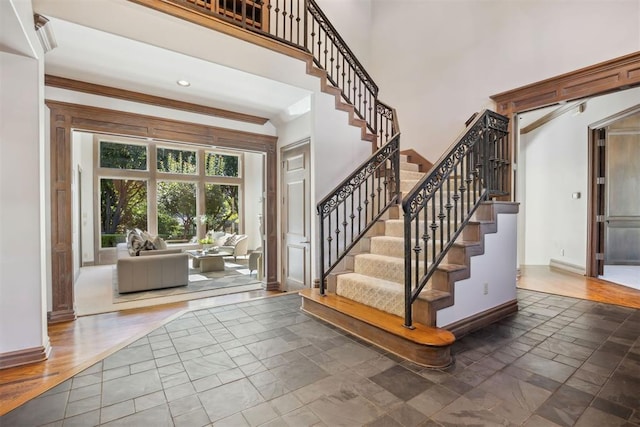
<point>231,240</point>
<point>147,245</point>
<point>134,242</point>
<point>159,243</point>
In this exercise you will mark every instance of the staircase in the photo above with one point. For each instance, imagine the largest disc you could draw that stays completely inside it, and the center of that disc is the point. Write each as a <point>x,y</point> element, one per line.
<point>367,288</point>
<point>394,239</point>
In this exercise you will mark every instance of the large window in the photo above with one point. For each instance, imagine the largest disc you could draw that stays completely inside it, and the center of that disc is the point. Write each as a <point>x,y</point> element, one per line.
<point>221,203</point>
<point>179,192</point>
<point>123,205</point>
<point>177,210</point>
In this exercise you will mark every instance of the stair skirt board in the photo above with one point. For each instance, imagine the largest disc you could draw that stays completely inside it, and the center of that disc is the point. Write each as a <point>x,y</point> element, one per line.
<point>426,346</point>
<point>482,319</point>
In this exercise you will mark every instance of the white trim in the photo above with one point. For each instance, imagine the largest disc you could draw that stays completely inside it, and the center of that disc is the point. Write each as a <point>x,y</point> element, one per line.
<point>566,266</point>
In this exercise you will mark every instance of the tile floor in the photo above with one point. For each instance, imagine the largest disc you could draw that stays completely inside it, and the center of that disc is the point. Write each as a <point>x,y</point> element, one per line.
<point>559,361</point>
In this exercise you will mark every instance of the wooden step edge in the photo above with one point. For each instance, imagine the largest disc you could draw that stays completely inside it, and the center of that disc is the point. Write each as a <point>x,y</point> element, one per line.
<point>328,88</point>
<point>467,243</point>
<point>423,335</point>
<point>433,295</point>
<point>449,268</point>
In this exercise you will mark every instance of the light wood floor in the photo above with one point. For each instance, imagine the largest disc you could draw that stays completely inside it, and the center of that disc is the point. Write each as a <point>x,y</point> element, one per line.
<point>79,344</point>
<point>544,279</point>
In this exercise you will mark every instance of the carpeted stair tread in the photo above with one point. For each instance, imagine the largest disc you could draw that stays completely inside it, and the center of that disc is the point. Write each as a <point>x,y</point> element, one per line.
<point>372,291</point>
<point>406,166</point>
<point>410,175</point>
<point>395,227</point>
<point>393,246</point>
<point>380,266</point>
<point>379,293</point>
<point>388,245</point>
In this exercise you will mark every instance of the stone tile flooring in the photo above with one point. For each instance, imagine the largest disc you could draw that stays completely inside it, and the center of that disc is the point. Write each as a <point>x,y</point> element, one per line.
<point>559,361</point>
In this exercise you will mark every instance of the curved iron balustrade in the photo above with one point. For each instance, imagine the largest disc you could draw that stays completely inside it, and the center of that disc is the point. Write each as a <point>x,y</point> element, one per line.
<point>474,169</point>
<point>303,25</point>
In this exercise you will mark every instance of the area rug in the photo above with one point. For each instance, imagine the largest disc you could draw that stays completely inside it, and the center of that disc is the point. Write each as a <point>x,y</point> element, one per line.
<point>235,278</point>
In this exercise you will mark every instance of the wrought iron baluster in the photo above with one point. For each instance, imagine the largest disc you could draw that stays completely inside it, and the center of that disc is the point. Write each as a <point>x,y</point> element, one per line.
<point>448,206</point>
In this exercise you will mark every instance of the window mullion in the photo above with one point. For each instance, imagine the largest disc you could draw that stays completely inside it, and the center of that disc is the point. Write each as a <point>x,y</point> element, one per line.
<point>200,195</point>
<point>152,188</point>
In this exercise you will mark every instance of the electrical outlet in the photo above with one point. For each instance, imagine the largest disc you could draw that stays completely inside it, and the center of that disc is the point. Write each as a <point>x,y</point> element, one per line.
<point>486,289</point>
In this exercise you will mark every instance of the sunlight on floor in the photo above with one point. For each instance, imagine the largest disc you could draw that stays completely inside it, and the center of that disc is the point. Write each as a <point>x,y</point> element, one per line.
<point>627,275</point>
<point>94,292</point>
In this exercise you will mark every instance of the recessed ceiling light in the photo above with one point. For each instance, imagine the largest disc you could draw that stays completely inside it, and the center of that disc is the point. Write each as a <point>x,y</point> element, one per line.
<point>183,83</point>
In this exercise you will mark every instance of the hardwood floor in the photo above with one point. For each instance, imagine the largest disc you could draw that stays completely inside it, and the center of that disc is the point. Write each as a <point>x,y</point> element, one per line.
<point>553,281</point>
<point>79,344</point>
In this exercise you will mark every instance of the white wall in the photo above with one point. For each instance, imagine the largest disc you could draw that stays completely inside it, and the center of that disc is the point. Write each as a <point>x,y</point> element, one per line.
<point>554,164</point>
<point>352,19</point>
<point>438,61</point>
<point>496,267</point>
<point>22,188</point>
<point>253,203</point>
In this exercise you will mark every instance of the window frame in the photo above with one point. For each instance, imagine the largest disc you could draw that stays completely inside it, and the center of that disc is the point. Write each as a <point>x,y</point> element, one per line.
<point>153,176</point>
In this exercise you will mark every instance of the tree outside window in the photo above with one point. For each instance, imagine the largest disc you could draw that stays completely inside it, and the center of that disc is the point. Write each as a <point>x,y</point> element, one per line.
<point>221,204</point>
<point>177,210</point>
<point>127,179</point>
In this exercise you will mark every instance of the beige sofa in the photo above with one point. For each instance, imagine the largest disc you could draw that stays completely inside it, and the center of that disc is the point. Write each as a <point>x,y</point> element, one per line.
<point>156,269</point>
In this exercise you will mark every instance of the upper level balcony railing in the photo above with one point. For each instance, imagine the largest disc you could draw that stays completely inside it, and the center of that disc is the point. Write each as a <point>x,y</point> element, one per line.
<point>303,25</point>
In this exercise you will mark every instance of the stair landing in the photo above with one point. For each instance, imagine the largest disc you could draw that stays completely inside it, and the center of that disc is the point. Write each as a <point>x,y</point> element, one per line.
<point>425,345</point>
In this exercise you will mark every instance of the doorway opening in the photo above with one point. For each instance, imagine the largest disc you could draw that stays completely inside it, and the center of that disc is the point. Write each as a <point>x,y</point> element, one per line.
<point>614,211</point>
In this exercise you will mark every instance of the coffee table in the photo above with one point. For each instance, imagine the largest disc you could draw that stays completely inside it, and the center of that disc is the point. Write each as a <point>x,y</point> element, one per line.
<point>208,261</point>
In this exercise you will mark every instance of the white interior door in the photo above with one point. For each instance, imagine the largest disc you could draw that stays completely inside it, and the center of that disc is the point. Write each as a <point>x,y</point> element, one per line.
<point>296,217</point>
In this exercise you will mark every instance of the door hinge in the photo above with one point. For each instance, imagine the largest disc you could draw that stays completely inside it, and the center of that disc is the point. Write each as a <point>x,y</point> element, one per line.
<point>600,180</point>
<point>601,143</point>
<point>599,218</point>
<point>599,256</point>
<point>283,164</point>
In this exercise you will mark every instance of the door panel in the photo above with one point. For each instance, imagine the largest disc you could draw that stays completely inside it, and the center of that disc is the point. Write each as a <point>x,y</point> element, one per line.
<point>296,216</point>
<point>623,199</point>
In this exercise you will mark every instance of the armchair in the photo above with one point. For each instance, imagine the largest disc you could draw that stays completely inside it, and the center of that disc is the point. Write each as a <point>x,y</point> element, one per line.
<point>240,246</point>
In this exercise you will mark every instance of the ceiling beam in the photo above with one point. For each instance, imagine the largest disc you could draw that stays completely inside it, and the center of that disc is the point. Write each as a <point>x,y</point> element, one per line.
<point>127,95</point>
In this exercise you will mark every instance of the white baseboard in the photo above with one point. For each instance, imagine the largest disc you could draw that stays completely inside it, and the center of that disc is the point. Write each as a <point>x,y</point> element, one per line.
<point>566,266</point>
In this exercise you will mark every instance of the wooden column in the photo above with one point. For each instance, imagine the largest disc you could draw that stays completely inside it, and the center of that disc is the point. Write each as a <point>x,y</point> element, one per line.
<point>272,219</point>
<point>61,252</point>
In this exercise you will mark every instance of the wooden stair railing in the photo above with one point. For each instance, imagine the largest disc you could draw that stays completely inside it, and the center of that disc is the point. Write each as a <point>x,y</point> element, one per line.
<point>473,170</point>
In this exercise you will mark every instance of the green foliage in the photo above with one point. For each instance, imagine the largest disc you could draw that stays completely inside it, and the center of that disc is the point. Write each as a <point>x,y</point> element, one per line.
<point>123,205</point>
<point>221,165</point>
<point>111,240</point>
<point>178,200</point>
<point>221,203</point>
<point>168,225</point>
<point>123,156</point>
<point>177,161</point>
<point>124,202</point>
